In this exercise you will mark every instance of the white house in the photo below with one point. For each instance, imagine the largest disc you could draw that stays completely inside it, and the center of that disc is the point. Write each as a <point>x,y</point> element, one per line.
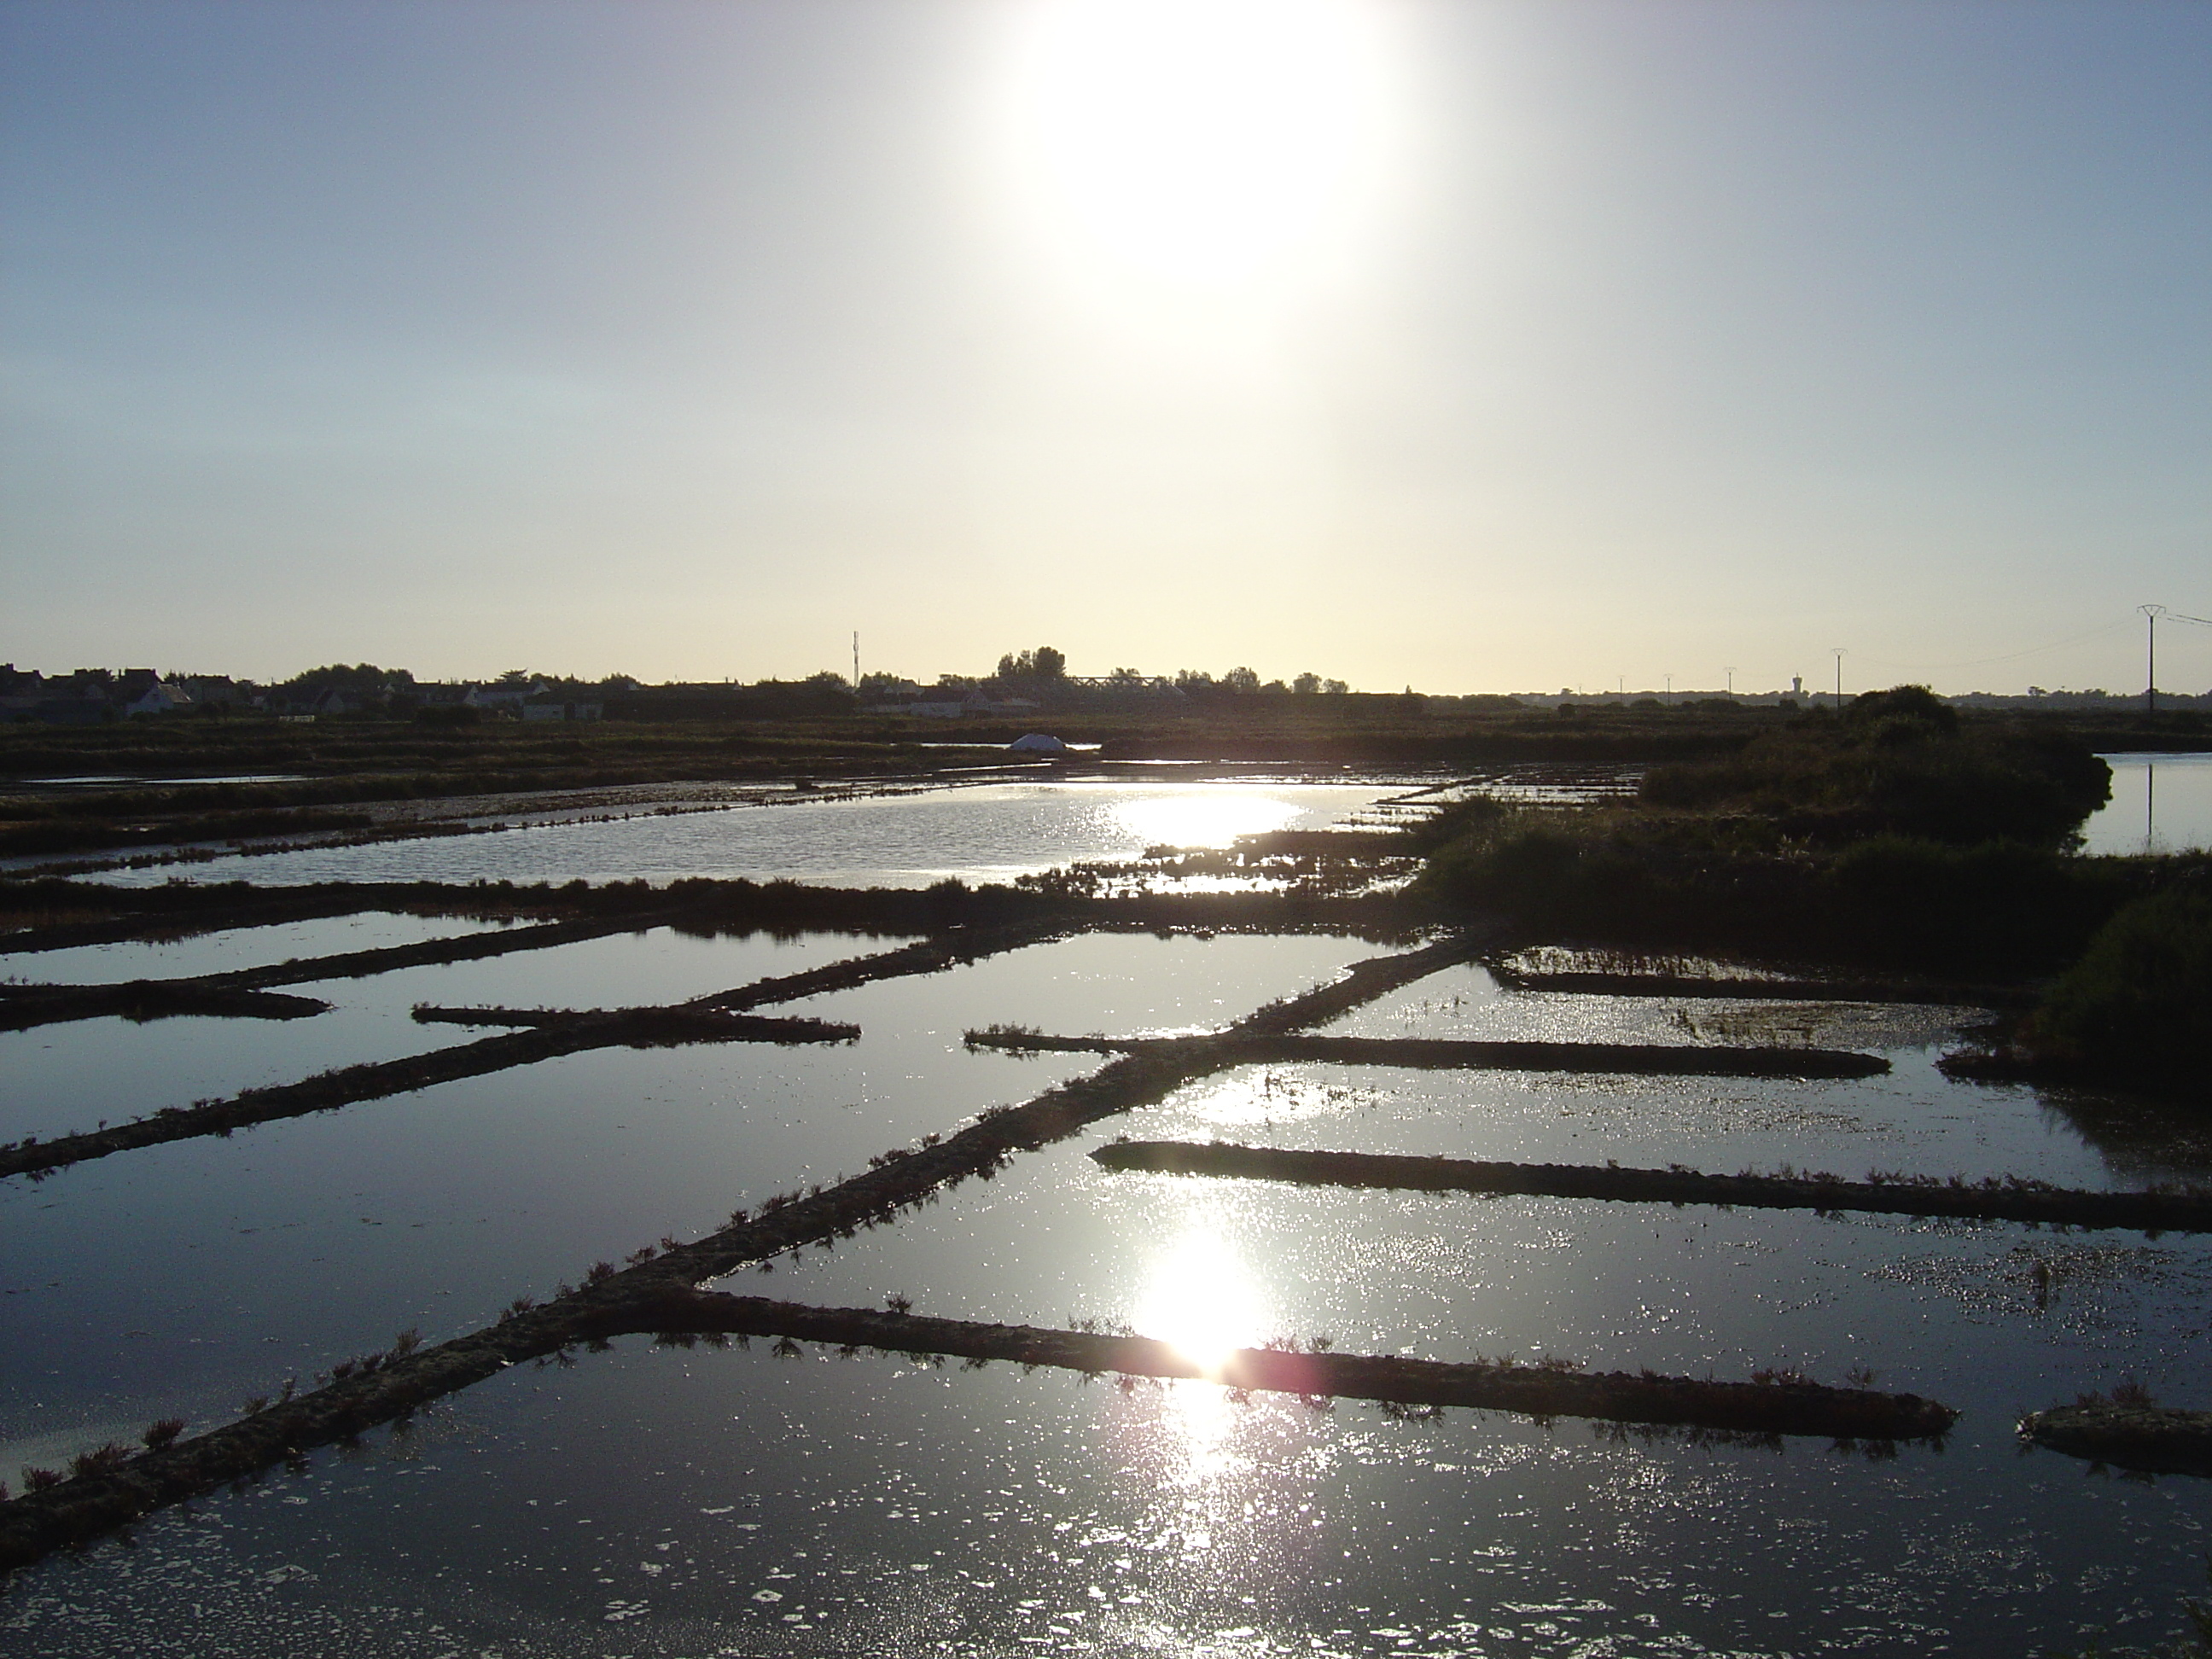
<point>562,711</point>
<point>159,698</point>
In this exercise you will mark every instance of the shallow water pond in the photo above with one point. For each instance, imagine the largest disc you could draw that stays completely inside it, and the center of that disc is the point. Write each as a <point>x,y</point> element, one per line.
<point>984,833</point>
<point>203,1271</point>
<point>230,949</point>
<point>2160,804</point>
<point>674,1504</point>
<point>63,1078</point>
<point>685,1503</point>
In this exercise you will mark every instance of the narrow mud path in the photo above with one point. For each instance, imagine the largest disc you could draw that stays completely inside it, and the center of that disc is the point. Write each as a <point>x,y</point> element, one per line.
<point>926,956</point>
<point>548,1033</point>
<point>150,1000</point>
<point>2009,1200</point>
<point>1768,1407</point>
<point>111,1491</point>
<point>22,1006</point>
<point>1624,1059</point>
<point>1772,990</point>
<point>101,1499</point>
<point>639,1028</point>
<point>2153,1439</point>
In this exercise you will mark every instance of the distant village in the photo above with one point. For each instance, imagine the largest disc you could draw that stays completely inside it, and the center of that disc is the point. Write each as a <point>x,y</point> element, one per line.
<point>1032,682</point>
<point>92,696</point>
<point>1024,683</point>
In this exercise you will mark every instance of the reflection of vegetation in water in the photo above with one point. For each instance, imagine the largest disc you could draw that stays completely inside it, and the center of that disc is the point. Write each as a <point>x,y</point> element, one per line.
<point>2195,1642</point>
<point>1859,1025</point>
<point>2141,1137</point>
<point>2094,1292</point>
<point>2137,1006</point>
<point>1302,863</point>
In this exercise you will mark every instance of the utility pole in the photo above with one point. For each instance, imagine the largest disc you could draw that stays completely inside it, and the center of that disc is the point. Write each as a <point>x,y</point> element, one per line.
<point>1839,678</point>
<point>1670,687</point>
<point>2151,614</point>
<point>856,662</point>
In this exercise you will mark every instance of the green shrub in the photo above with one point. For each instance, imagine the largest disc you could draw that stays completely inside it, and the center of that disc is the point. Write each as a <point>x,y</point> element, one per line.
<point>2137,1006</point>
<point>1999,905</point>
<point>1896,762</point>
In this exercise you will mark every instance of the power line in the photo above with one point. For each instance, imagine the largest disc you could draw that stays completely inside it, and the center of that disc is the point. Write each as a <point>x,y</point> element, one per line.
<point>2014,656</point>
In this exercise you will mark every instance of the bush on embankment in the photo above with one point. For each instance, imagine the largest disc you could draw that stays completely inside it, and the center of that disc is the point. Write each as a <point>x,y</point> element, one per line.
<point>1896,762</point>
<point>1996,908</point>
<point>2137,1008</point>
<point>1888,834</point>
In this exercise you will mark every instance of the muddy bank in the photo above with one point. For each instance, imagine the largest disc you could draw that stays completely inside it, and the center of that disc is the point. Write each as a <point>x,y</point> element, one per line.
<point>643,1028</point>
<point>62,916</point>
<point>102,1499</point>
<point>716,1017</point>
<point>928,955</point>
<point>1622,1059</point>
<point>1771,990</point>
<point>233,992</point>
<point>23,1006</point>
<point>696,903</point>
<point>2189,1090</point>
<point>1988,1200</point>
<point>2155,1439</point>
<point>1543,1391</point>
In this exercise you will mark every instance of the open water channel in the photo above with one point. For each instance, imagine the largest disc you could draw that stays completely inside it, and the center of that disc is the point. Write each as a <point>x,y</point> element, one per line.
<point>671,1502</point>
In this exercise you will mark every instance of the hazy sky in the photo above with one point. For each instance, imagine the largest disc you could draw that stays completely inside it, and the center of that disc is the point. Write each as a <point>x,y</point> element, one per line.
<point>1483,346</point>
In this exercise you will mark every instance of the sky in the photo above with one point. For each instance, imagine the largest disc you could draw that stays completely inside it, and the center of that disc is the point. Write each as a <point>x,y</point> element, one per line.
<point>1468,344</point>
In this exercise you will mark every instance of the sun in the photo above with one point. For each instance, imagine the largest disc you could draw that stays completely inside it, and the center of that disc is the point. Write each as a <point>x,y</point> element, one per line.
<point>1211,143</point>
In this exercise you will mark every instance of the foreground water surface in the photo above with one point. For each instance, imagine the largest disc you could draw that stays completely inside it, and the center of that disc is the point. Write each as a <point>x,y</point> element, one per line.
<point>694,1502</point>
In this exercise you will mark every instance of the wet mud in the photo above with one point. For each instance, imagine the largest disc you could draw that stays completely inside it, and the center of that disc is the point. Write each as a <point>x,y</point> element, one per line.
<point>24,1006</point>
<point>2153,1439</point>
<point>1771,990</point>
<point>547,1033</point>
<point>651,1292</point>
<point>636,1028</point>
<point>1989,1200</point>
<point>113,1491</point>
<point>1624,1059</point>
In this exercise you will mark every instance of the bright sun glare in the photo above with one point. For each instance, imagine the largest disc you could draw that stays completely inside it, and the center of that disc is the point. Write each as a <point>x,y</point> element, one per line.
<point>1209,820</point>
<point>1200,1300</point>
<point>1208,144</point>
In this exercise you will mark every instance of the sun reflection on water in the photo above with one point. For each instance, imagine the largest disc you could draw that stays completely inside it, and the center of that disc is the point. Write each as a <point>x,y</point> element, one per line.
<point>1215,818</point>
<point>1200,1297</point>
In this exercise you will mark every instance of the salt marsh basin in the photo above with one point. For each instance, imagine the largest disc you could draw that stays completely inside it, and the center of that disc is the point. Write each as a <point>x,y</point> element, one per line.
<point>681,1500</point>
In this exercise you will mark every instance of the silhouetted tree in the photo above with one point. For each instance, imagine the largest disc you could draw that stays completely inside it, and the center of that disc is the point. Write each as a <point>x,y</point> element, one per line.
<point>1043,664</point>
